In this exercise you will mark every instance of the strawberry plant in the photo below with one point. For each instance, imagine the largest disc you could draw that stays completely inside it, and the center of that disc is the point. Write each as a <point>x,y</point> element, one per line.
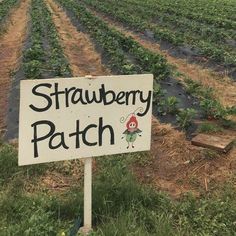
<point>208,35</point>
<point>32,69</point>
<point>37,59</point>
<point>5,7</point>
<point>213,109</point>
<point>172,105</point>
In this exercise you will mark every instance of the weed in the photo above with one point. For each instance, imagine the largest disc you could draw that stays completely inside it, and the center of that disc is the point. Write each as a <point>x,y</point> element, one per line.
<point>228,124</point>
<point>192,87</point>
<point>213,109</point>
<point>172,105</point>
<point>209,128</point>
<point>185,118</point>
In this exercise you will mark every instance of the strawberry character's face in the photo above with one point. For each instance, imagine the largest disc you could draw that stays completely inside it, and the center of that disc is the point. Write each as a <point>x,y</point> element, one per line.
<point>132,124</point>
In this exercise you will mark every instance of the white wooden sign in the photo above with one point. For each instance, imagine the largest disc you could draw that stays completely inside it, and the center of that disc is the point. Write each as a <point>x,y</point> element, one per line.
<point>63,119</point>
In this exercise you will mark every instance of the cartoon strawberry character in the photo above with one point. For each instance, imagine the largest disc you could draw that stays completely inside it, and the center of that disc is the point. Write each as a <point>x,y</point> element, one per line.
<point>132,131</point>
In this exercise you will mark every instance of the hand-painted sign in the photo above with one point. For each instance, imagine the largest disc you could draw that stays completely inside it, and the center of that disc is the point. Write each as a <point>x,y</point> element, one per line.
<point>63,119</point>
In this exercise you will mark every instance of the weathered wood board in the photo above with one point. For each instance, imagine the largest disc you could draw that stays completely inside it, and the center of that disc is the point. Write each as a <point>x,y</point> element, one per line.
<point>213,142</point>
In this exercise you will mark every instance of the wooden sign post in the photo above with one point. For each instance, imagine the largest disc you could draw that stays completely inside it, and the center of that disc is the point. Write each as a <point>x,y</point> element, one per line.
<point>87,191</point>
<point>87,195</point>
<point>69,118</point>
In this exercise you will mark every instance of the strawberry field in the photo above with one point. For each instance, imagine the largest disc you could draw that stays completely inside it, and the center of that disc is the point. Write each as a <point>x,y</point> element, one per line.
<point>176,188</point>
<point>206,29</point>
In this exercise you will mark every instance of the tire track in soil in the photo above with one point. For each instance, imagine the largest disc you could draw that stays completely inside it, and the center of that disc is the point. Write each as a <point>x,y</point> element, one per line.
<point>11,46</point>
<point>224,87</point>
<point>170,149</point>
<point>78,48</point>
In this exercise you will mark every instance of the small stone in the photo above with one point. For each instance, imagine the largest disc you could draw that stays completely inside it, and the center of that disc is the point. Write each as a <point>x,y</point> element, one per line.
<point>187,162</point>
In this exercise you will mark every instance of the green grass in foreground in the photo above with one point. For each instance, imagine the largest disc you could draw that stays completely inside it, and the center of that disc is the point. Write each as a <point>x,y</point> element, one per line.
<point>121,206</point>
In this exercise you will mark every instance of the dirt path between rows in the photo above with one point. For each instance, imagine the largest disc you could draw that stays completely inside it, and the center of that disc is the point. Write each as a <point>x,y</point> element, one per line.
<point>225,88</point>
<point>11,44</point>
<point>78,48</point>
<point>175,166</point>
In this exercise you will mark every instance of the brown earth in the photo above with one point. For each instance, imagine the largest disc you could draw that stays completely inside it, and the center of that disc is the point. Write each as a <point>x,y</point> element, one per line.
<point>62,176</point>
<point>224,87</point>
<point>78,48</point>
<point>11,44</point>
<point>177,167</point>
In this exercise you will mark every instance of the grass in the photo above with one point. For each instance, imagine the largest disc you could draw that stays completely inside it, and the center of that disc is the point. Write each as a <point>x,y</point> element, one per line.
<point>209,128</point>
<point>121,205</point>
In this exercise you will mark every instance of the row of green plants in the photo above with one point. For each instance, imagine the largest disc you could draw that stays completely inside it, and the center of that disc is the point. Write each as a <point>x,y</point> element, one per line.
<point>34,61</point>
<point>215,34</point>
<point>125,54</point>
<point>45,53</point>
<point>106,38</point>
<point>207,40</point>
<point>121,205</point>
<point>169,105</point>
<point>5,7</point>
<point>211,107</point>
<point>115,44</point>
<point>216,13</point>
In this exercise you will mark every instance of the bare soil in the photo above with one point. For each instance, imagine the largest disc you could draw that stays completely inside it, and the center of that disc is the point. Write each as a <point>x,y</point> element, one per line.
<point>59,179</point>
<point>11,44</point>
<point>177,167</point>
